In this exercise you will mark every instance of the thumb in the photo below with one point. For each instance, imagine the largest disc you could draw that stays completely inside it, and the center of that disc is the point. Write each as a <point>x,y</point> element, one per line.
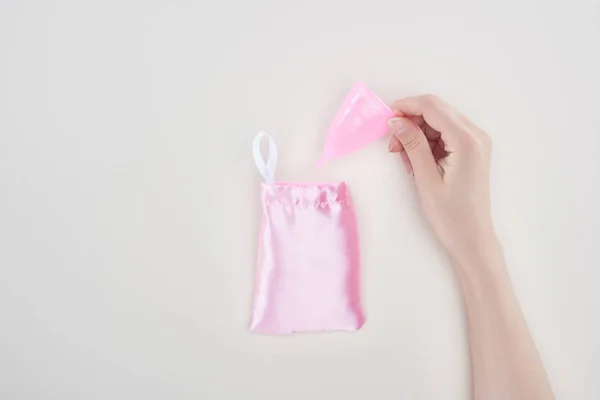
<point>417,148</point>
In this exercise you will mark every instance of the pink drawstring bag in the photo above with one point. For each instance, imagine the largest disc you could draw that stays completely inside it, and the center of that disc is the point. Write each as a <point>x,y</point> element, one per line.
<point>307,277</point>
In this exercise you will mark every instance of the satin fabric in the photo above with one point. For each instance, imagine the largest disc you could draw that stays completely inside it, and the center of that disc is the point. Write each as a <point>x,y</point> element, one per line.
<point>308,260</point>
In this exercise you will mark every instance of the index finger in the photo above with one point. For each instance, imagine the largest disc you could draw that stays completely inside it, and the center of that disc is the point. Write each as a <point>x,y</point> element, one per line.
<point>437,113</point>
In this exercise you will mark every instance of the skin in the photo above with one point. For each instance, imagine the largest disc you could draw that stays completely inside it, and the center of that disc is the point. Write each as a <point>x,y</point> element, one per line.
<point>450,159</point>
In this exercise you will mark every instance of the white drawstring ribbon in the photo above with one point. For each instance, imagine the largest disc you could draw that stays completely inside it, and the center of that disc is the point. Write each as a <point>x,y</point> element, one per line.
<point>267,170</point>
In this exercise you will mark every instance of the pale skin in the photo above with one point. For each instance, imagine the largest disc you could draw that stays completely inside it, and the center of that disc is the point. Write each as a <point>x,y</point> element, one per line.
<point>450,159</point>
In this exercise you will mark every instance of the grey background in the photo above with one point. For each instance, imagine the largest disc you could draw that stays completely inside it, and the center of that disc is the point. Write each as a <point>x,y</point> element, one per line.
<point>129,199</point>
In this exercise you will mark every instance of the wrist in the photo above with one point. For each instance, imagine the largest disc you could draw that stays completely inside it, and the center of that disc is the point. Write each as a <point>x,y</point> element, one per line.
<point>481,254</point>
<point>481,271</point>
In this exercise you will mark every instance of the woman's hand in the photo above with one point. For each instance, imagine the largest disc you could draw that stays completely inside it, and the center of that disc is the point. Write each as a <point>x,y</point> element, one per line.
<point>450,159</point>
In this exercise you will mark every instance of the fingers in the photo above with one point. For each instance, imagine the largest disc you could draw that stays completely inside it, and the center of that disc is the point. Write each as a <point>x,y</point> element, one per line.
<point>427,130</point>
<point>406,162</point>
<point>438,150</point>
<point>435,112</point>
<point>436,145</point>
<point>431,133</point>
<point>417,149</point>
<point>396,147</point>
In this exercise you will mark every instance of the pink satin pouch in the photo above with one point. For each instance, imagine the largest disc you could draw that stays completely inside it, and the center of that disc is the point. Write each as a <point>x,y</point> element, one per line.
<point>308,261</point>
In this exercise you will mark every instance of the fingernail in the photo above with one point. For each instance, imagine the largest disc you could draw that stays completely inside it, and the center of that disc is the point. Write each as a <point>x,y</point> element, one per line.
<point>397,125</point>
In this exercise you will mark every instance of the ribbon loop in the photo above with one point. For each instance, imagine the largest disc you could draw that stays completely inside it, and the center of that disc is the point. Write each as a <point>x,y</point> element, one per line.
<point>267,170</point>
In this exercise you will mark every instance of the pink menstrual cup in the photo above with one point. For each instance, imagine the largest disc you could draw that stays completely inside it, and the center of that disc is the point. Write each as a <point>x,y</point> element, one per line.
<point>361,120</point>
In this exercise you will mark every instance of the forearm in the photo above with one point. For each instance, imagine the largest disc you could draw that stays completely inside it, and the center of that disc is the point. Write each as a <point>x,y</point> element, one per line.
<point>505,362</point>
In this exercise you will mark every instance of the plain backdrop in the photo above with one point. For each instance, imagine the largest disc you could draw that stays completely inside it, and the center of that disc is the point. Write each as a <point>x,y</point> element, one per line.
<point>129,201</point>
